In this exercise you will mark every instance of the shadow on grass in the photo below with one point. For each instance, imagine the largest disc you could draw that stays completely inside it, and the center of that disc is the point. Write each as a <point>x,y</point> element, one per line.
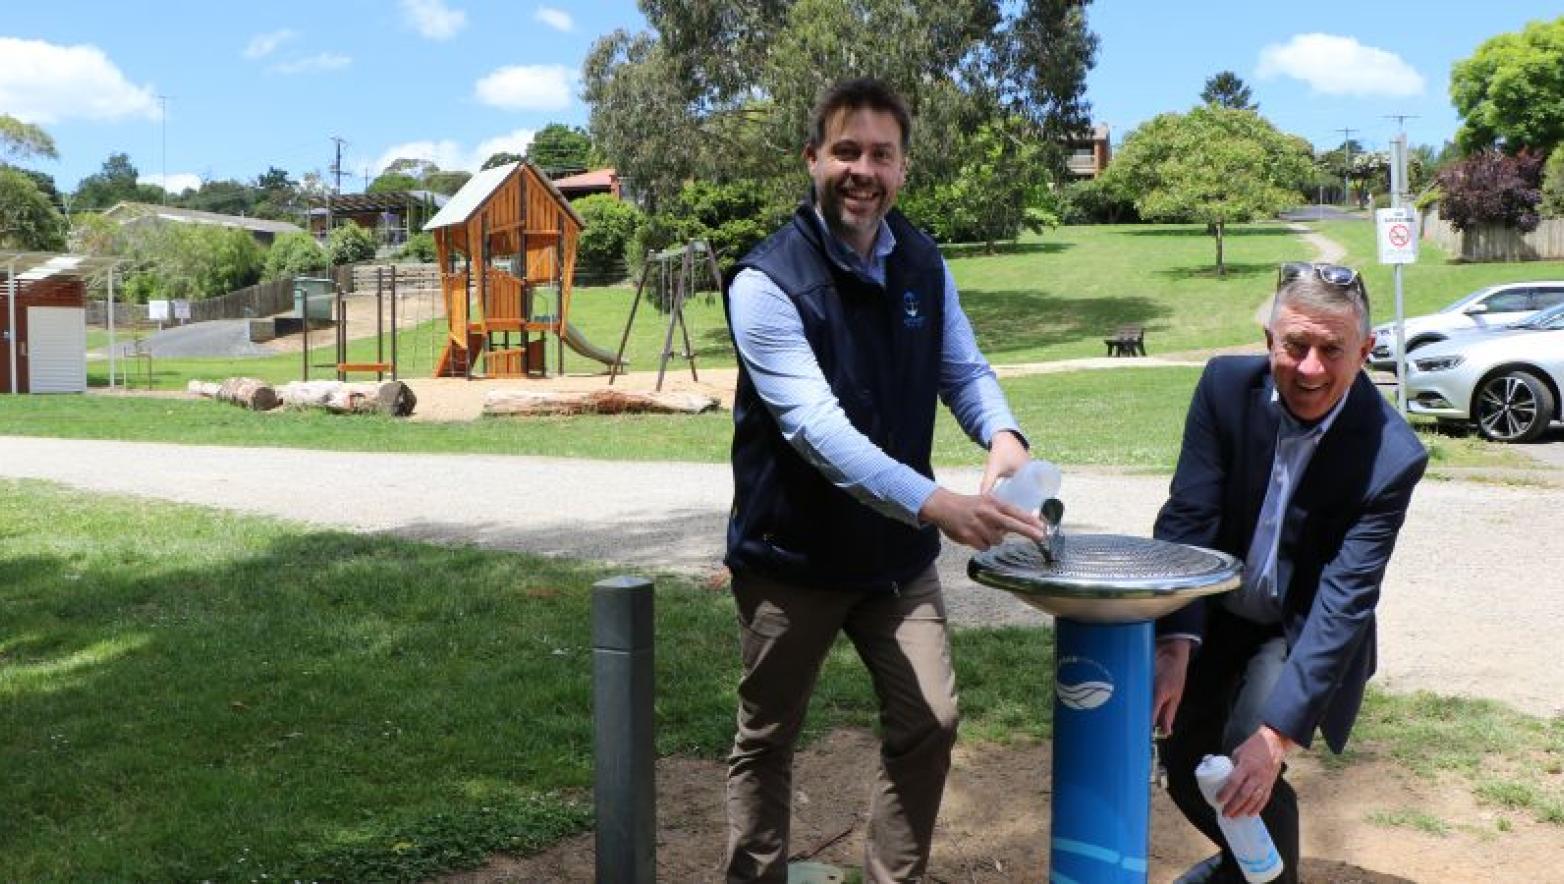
<point>1235,270</point>
<point>982,250</point>
<point>1195,231</point>
<point>329,705</point>
<point>1010,320</point>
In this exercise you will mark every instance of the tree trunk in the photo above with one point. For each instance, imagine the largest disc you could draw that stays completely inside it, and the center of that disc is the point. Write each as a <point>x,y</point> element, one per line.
<point>252,393</point>
<point>545,402</point>
<point>1221,268</point>
<point>386,397</point>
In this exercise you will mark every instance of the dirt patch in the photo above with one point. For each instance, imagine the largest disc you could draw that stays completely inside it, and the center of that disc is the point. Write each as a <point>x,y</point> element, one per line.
<point>993,825</point>
<point>457,399</point>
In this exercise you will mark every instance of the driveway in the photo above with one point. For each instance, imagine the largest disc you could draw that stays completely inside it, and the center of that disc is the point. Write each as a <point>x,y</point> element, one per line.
<point>1473,603</point>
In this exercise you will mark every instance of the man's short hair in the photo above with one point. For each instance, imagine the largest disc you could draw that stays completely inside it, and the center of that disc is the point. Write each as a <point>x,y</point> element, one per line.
<point>857,94</point>
<point>1310,292</point>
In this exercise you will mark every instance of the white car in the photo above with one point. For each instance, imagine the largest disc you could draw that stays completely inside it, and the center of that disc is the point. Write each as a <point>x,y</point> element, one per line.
<point>1491,307</point>
<point>1508,382</point>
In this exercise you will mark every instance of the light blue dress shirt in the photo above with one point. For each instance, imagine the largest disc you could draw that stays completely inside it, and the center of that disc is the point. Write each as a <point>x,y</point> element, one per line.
<point>769,335</point>
<point>1259,597</point>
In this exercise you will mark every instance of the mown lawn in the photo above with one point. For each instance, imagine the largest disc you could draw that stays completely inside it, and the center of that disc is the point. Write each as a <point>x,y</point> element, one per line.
<point>187,694</point>
<point>1433,281</point>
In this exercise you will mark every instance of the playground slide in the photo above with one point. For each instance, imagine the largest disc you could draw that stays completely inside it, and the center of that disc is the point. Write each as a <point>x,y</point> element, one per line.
<point>578,342</point>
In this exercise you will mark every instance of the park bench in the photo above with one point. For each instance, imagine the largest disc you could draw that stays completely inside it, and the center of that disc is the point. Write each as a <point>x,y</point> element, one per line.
<point>1127,340</point>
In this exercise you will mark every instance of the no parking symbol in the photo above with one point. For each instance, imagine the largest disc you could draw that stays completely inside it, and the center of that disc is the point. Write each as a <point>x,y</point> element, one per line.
<point>1397,235</point>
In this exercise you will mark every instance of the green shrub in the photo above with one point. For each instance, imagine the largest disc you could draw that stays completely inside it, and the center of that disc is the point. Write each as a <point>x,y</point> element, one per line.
<point>610,226</point>
<point>419,247</point>
<point>294,254</point>
<point>350,244</point>
<point>732,218</point>
<point>191,261</point>
<point>1093,202</point>
<point>1553,185</point>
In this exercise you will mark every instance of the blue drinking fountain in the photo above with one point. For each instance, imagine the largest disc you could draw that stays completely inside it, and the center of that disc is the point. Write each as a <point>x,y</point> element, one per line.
<point>1104,591</point>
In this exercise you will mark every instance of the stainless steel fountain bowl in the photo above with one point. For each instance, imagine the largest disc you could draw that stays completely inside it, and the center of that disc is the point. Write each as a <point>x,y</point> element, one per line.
<point>1106,578</point>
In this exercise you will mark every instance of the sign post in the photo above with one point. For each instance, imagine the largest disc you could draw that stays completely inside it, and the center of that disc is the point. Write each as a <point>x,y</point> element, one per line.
<point>1396,230</point>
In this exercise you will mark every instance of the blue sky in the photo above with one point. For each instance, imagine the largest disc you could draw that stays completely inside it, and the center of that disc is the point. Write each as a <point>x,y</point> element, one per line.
<point>252,85</point>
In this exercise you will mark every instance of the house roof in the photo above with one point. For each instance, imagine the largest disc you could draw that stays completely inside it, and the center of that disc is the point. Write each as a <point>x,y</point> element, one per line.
<point>33,266</point>
<point>603,178</point>
<point>482,186</point>
<point>127,212</point>
<point>384,202</point>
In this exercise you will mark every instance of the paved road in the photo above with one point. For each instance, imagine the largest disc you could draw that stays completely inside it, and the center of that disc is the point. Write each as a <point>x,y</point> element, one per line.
<point>1473,603</point>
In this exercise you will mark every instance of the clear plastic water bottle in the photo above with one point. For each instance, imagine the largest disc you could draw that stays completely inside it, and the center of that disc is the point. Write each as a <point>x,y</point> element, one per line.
<point>1246,836</point>
<point>1029,486</point>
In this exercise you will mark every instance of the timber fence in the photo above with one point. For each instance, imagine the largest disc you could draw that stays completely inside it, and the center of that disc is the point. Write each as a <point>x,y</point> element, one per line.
<point>1495,242</point>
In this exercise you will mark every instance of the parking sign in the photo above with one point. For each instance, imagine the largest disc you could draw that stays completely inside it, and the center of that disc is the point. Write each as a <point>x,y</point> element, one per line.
<point>1397,235</point>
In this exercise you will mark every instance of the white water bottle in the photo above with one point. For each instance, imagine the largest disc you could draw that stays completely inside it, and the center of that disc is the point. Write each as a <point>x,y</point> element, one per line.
<point>1029,486</point>
<point>1246,836</point>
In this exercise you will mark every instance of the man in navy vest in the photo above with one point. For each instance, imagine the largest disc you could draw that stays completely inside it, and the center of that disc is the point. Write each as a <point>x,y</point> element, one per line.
<point>1294,462</point>
<point>848,330</point>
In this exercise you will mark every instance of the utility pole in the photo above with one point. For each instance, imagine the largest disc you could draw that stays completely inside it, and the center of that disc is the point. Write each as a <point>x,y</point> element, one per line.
<point>336,166</point>
<point>1346,167</point>
<point>163,120</point>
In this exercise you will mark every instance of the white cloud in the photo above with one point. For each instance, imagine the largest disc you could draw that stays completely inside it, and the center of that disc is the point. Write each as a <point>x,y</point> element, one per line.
<point>178,182</point>
<point>324,61</point>
<point>433,19</point>
<point>558,19</point>
<point>262,45</point>
<point>446,154</point>
<point>527,87</point>
<point>515,142</point>
<point>451,155</point>
<point>44,83</point>
<point>1335,65</point>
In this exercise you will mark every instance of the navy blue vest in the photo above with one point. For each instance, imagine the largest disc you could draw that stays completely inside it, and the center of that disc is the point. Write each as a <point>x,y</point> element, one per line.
<point>880,350</point>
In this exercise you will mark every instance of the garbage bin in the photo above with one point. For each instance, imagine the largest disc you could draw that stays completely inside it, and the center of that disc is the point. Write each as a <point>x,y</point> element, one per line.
<point>312,297</point>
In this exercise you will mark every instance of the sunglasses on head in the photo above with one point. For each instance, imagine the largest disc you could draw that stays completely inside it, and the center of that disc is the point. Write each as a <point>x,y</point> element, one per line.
<point>1335,274</point>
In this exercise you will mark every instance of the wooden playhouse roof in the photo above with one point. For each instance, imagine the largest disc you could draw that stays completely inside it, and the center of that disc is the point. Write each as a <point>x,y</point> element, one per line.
<point>483,185</point>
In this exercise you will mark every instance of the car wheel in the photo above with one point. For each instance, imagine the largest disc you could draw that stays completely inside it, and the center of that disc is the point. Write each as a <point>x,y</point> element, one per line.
<point>1513,407</point>
<point>1419,343</point>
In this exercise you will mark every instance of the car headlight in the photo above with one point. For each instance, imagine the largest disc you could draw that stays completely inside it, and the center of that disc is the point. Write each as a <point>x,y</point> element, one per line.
<point>1438,363</point>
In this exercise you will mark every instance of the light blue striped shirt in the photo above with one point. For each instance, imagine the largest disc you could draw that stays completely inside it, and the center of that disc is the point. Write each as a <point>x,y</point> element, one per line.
<point>769,335</point>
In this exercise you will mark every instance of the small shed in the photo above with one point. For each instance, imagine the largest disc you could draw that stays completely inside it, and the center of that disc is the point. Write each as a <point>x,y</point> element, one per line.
<point>506,248</point>
<point>43,321</point>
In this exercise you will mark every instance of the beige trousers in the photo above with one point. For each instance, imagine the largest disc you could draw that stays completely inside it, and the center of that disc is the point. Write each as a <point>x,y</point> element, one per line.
<point>786,632</point>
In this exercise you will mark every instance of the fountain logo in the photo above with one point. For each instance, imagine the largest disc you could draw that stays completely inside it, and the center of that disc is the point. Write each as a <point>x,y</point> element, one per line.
<point>1082,683</point>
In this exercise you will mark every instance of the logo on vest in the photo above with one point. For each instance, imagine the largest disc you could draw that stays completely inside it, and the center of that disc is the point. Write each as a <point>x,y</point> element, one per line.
<point>1082,683</point>
<point>911,318</point>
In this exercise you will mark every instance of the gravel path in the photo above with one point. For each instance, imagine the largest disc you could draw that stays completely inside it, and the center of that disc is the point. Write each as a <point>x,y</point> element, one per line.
<point>1473,604</point>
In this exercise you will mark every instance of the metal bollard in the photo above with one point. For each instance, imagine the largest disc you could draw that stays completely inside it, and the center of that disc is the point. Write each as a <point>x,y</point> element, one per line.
<point>625,793</point>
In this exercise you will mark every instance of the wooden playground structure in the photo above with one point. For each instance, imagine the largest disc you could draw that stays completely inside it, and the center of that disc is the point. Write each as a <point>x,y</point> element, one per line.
<point>506,248</point>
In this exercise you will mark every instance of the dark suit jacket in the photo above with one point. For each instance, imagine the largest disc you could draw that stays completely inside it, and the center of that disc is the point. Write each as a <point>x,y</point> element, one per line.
<point>1338,531</point>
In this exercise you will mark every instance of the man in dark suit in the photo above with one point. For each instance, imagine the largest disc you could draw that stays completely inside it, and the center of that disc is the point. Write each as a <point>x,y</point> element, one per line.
<point>1295,463</point>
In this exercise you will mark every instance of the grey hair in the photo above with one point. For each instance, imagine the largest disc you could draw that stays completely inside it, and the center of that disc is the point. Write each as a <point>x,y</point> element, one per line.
<point>1310,292</point>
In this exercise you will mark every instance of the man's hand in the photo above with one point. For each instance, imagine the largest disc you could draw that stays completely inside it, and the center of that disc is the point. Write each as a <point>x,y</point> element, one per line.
<point>1172,667</point>
<point>1257,762</point>
<point>977,520</point>
<point>1006,454</point>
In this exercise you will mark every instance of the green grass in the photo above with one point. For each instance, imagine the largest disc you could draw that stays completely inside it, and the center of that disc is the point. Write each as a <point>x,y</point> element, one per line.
<point>1128,417</point>
<point>1055,296</point>
<point>600,313</point>
<point>1074,418</point>
<point>1433,281</point>
<point>1410,818</point>
<point>188,694</point>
